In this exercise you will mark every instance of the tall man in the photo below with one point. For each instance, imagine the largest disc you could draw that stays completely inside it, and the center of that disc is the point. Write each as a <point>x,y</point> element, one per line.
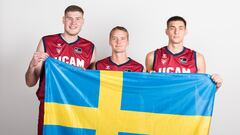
<point>67,47</point>
<point>175,58</point>
<point>119,61</point>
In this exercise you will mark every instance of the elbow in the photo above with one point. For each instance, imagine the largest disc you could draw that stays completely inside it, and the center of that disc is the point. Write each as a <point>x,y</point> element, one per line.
<point>29,84</point>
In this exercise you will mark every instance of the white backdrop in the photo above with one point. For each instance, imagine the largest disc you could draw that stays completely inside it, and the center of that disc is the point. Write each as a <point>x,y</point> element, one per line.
<point>213,27</point>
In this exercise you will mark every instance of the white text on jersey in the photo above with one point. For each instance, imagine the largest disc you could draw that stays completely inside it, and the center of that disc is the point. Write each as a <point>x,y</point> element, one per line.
<point>174,70</point>
<point>72,61</point>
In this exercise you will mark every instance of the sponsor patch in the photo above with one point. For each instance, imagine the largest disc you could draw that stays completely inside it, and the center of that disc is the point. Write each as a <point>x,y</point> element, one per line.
<point>78,50</point>
<point>183,60</point>
<point>127,70</point>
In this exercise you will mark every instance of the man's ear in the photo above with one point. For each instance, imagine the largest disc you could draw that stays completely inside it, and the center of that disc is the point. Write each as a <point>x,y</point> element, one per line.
<point>63,19</point>
<point>166,31</point>
<point>109,42</point>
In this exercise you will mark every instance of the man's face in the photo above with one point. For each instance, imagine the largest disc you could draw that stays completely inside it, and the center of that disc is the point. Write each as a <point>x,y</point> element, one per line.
<point>118,41</point>
<point>176,31</point>
<point>73,22</point>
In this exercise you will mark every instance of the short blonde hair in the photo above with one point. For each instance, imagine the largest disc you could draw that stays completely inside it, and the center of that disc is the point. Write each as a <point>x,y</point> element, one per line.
<point>119,28</point>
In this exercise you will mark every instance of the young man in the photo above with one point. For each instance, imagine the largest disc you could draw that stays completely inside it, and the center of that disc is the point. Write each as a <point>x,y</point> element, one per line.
<point>119,61</point>
<point>67,47</point>
<point>175,58</point>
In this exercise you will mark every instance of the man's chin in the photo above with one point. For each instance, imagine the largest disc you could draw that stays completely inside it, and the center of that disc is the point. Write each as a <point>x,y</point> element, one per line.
<point>73,33</point>
<point>177,42</point>
<point>120,51</point>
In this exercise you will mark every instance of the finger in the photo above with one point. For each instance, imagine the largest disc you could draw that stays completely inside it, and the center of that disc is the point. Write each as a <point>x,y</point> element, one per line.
<point>214,76</point>
<point>218,85</point>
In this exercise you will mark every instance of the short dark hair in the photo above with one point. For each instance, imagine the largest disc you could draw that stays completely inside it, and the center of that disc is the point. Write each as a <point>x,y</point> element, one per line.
<point>176,18</point>
<point>72,8</point>
<point>119,28</point>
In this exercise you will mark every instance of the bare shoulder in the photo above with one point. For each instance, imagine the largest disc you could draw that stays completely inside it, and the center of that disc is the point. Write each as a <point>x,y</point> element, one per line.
<point>149,61</point>
<point>201,66</point>
<point>199,55</point>
<point>150,55</point>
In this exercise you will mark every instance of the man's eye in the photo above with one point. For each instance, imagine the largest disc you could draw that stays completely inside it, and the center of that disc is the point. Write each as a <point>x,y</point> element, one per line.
<point>68,18</point>
<point>181,28</point>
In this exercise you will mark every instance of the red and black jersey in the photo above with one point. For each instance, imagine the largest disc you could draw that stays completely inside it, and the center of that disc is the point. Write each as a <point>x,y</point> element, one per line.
<point>129,66</point>
<point>167,62</point>
<point>78,53</point>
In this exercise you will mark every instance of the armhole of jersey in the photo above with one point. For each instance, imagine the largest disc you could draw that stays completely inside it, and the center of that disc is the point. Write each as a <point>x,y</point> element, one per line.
<point>154,59</point>
<point>96,65</point>
<point>93,46</point>
<point>41,78</point>
<point>142,68</point>
<point>195,59</point>
<point>44,44</point>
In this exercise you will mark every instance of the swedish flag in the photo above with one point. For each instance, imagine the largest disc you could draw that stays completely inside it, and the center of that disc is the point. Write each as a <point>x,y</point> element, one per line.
<point>84,102</point>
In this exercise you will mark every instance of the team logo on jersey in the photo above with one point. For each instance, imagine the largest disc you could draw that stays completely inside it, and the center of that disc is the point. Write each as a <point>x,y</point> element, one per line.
<point>164,56</point>
<point>127,70</point>
<point>164,61</point>
<point>183,60</point>
<point>58,50</point>
<point>107,67</point>
<point>78,50</point>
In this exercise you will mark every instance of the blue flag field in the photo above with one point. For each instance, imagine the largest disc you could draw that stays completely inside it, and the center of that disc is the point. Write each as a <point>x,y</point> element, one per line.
<point>91,102</point>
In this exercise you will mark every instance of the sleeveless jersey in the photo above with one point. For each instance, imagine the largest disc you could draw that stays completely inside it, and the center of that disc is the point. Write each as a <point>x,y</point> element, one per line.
<point>129,66</point>
<point>78,53</point>
<point>167,62</point>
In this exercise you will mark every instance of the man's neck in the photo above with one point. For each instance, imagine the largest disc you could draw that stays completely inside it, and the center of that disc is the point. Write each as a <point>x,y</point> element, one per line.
<point>175,48</point>
<point>119,58</point>
<point>69,38</point>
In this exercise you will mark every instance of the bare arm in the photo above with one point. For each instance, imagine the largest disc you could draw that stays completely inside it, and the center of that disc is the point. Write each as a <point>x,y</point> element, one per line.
<point>201,66</point>
<point>149,61</point>
<point>202,69</point>
<point>217,79</point>
<point>35,67</point>
<point>93,59</point>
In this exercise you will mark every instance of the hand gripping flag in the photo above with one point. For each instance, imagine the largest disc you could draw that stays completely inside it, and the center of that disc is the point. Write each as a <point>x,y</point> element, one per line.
<point>90,102</point>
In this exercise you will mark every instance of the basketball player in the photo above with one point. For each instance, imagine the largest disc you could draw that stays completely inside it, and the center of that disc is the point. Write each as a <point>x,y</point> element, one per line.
<point>175,58</point>
<point>119,61</point>
<point>67,47</point>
